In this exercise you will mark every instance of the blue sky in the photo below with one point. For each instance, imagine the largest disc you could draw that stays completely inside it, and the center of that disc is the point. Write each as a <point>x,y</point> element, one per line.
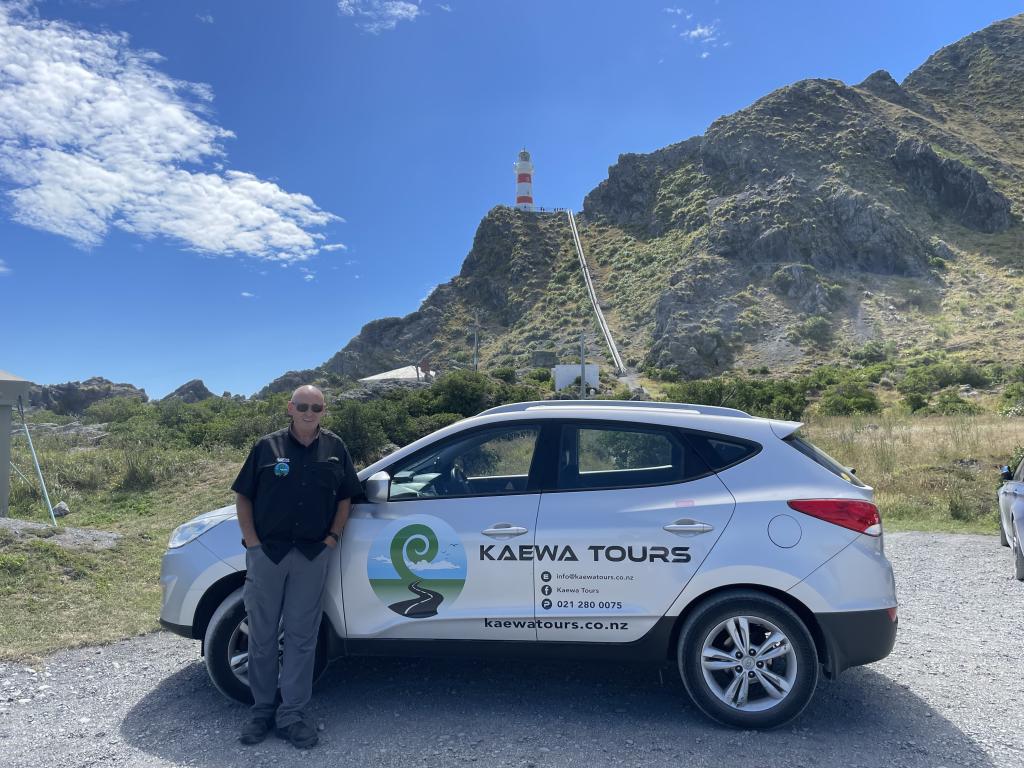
<point>230,189</point>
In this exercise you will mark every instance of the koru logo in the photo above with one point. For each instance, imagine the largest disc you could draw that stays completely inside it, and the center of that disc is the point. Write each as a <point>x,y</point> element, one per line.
<point>417,566</point>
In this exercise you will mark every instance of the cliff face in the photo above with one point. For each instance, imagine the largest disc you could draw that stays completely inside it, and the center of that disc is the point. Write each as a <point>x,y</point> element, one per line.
<point>820,217</point>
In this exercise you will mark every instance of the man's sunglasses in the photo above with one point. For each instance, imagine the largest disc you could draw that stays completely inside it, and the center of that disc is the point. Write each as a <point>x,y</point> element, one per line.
<point>303,407</point>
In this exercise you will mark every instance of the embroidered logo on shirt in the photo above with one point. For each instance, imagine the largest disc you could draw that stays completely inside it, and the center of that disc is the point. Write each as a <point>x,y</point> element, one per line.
<point>281,468</point>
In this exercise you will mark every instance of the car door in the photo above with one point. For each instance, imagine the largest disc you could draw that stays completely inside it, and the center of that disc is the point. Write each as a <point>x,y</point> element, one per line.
<point>633,515</point>
<point>430,563</point>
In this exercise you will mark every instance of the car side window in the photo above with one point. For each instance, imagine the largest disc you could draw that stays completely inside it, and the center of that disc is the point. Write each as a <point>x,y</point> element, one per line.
<point>720,451</point>
<point>1019,474</point>
<point>483,463</point>
<point>621,456</point>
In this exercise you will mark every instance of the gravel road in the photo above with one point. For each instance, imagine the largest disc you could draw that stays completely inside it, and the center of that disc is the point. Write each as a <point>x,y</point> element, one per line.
<point>949,695</point>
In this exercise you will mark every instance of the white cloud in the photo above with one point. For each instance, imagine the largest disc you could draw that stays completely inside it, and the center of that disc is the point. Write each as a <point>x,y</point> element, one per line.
<point>4,269</point>
<point>703,33</point>
<point>376,16</point>
<point>383,559</point>
<point>445,7</point>
<point>334,247</point>
<point>206,18</point>
<point>442,565</point>
<point>309,278</point>
<point>678,12</point>
<point>247,295</point>
<point>93,135</point>
<point>351,262</point>
<point>705,55</point>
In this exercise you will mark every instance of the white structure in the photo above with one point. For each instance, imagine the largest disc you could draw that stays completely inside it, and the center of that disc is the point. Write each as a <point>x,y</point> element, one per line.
<point>524,181</point>
<point>408,373</point>
<point>568,375</point>
<point>11,388</point>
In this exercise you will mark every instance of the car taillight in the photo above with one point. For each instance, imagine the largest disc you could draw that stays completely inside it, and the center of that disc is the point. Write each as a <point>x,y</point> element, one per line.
<point>860,516</point>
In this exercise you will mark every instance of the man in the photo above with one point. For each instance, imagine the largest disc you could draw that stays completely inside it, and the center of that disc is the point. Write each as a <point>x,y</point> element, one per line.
<point>293,498</point>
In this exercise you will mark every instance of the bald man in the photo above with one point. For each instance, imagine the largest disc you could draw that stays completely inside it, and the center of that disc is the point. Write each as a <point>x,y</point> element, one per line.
<point>293,496</point>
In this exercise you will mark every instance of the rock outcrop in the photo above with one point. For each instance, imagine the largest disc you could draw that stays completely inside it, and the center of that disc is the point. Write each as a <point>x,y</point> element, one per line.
<point>191,392</point>
<point>73,397</point>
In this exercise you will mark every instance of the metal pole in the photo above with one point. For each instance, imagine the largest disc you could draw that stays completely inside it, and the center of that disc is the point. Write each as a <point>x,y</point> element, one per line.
<point>5,457</point>
<point>39,471</point>
<point>583,368</point>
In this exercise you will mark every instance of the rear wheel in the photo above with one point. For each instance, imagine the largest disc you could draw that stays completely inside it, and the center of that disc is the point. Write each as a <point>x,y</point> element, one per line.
<point>747,660</point>
<point>227,649</point>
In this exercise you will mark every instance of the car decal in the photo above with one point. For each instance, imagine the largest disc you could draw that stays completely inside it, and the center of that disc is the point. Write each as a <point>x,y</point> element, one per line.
<point>417,566</point>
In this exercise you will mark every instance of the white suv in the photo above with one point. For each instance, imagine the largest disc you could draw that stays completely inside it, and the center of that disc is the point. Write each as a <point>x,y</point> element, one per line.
<point>620,530</point>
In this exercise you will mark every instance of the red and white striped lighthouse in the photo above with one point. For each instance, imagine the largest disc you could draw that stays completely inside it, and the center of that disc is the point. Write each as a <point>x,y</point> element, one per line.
<point>524,181</point>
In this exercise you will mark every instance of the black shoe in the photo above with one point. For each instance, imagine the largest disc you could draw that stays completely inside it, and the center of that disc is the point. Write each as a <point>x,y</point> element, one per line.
<point>300,734</point>
<point>256,730</point>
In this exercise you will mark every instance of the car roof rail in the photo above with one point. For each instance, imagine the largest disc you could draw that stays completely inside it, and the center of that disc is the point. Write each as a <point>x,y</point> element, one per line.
<point>705,410</point>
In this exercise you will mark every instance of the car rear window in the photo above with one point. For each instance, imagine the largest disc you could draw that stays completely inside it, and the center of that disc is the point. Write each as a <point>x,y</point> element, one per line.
<point>720,452</point>
<point>818,456</point>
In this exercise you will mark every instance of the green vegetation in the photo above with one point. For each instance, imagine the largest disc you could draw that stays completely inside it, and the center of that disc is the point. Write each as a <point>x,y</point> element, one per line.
<point>162,463</point>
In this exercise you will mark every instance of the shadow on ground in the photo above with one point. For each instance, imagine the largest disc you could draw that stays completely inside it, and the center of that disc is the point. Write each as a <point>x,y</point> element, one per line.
<point>440,712</point>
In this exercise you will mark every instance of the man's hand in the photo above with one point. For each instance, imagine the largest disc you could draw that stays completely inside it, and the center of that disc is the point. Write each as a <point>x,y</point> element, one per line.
<point>330,542</point>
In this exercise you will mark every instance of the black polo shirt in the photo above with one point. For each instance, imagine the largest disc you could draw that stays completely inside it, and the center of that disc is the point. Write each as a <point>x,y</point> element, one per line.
<point>295,490</point>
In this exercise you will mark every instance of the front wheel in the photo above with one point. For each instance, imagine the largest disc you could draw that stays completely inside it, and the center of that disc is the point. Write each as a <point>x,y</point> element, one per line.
<point>747,660</point>
<point>226,647</point>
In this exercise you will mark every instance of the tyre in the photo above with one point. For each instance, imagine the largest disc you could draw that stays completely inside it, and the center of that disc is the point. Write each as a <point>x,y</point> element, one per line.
<point>227,649</point>
<point>747,660</point>
<point>1018,555</point>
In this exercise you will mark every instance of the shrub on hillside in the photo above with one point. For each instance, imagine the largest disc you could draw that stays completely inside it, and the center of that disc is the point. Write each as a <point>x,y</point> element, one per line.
<point>816,329</point>
<point>507,374</point>
<point>778,399</point>
<point>848,398</point>
<point>113,410</point>
<point>949,402</point>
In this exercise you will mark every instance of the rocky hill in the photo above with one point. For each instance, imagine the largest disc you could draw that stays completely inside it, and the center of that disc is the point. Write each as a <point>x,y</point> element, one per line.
<point>819,218</point>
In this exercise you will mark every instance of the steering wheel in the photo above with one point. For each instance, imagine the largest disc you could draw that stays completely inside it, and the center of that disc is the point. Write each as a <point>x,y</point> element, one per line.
<point>460,482</point>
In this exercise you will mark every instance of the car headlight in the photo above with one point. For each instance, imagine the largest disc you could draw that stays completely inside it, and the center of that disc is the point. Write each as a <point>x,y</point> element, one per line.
<point>186,532</point>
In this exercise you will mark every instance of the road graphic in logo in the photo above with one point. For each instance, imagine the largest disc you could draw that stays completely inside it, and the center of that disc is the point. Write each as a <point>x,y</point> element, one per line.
<point>416,565</point>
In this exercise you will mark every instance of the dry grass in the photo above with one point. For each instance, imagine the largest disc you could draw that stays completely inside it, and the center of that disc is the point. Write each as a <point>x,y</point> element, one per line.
<point>52,597</point>
<point>936,473</point>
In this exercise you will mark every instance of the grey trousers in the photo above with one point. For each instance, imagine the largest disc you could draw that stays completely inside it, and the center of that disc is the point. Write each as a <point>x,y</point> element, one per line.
<point>289,593</point>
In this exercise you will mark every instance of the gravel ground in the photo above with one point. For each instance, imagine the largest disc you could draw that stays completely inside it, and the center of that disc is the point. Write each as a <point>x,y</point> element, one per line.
<point>949,695</point>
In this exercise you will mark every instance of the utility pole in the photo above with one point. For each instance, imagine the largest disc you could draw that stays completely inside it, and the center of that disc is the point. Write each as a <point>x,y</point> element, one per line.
<point>583,368</point>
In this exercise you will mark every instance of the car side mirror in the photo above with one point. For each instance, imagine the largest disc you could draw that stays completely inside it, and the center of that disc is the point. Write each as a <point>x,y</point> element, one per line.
<point>378,487</point>
<point>1005,473</point>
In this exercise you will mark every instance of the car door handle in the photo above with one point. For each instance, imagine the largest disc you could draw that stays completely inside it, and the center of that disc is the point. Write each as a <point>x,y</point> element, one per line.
<point>504,530</point>
<point>686,526</point>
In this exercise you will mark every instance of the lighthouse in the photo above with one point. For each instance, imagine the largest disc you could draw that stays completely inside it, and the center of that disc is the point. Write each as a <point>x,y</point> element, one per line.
<point>524,181</point>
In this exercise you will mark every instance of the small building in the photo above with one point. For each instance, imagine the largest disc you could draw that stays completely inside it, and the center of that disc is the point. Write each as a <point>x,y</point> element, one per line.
<point>568,375</point>
<point>408,373</point>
